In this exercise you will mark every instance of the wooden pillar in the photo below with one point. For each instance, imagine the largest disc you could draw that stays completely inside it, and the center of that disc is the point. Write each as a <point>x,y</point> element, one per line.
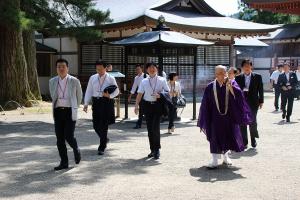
<point>177,62</point>
<point>232,53</point>
<point>126,83</point>
<point>160,59</point>
<point>194,83</point>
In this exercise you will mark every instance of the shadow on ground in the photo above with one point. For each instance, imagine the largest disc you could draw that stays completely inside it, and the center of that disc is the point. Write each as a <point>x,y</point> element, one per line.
<point>28,154</point>
<point>223,173</point>
<point>283,122</point>
<point>247,153</point>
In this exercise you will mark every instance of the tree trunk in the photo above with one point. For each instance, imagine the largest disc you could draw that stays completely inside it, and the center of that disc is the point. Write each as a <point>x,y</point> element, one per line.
<point>30,55</point>
<point>13,69</point>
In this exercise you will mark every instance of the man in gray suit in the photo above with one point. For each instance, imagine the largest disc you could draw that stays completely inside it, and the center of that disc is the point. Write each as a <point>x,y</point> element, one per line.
<point>66,97</point>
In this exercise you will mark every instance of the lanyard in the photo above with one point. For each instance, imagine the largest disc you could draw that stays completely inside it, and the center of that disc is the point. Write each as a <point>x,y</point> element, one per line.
<point>63,91</point>
<point>101,84</point>
<point>153,88</point>
<point>217,100</point>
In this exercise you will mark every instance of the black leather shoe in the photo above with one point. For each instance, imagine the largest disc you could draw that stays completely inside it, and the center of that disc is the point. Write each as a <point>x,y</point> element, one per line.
<point>253,143</point>
<point>77,156</point>
<point>137,127</point>
<point>288,119</point>
<point>283,115</point>
<point>61,166</point>
<point>100,152</point>
<point>156,155</point>
<point>150,155</point>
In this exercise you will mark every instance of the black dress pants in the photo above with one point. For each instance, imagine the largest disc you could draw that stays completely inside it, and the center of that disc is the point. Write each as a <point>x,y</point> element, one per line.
<point>252,128</point>
<point>153,115</point>
<point>277,95</point>
<point>288,102</point>
<point>100,121</point>
<point>64,130</point>
<point>172,115</point>
<point>141,114</point>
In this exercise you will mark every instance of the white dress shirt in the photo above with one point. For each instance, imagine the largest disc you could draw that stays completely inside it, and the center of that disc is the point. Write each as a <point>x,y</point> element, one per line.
<point>97,85</point>
<point>177,87</point>
<point>164,75</point>
<point>247,81</point>
<point>298,75</point>
<point>137,80</point>
<point>152,86</point>
<point>287,75</point>
<point>62,93</point>
<point>275,76</point>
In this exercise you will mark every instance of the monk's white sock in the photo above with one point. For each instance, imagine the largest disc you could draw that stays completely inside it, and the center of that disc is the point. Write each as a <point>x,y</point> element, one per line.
<point>227,160</point>
<point>215,158</point>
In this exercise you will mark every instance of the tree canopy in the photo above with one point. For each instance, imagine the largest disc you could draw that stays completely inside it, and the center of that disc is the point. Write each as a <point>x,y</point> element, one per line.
<point>265,17</point>
<point>19,19</point>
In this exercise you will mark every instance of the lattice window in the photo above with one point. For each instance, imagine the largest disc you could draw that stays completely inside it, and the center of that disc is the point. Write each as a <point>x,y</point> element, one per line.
<point>136,59</point>
<point>152,59</point>
<point>217,55</point>
<point>170,68</point>
<point>186,60</point>
<point>170,60</point>
<point>200,55</point>
<point>112,54</point>
<point>88,69</point>
<point>90,53</point>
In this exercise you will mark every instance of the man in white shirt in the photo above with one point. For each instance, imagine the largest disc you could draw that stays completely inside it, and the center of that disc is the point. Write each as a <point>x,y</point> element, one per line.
<point>150,90</point>
<point>252,86</point>
<point>102,102</point>
<point>66,94</point>
<point>137,80</point>
<point>277,90</point>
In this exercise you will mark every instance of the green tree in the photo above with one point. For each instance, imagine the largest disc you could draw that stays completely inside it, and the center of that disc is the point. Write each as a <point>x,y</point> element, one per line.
<point>265,17</point>
<point>19,19</point>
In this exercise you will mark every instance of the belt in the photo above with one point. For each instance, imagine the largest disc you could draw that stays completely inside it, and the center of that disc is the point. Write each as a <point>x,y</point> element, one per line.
<point>97,98</point>
<point>63,108</point>
<point>151,102</point>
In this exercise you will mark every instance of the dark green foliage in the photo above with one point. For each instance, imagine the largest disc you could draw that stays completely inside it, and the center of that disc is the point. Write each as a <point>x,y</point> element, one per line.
<point>265,17</point>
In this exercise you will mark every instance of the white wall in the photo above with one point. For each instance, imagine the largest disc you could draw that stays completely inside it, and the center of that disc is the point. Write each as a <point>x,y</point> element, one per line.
<point>69,50</point>
<point>263,63</point>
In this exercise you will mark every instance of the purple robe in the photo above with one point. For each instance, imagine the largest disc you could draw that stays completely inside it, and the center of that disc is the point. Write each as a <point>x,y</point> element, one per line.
<point>223,131</point>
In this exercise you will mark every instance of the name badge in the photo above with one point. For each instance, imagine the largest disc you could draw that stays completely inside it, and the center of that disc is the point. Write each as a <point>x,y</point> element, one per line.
<point>246,89</point>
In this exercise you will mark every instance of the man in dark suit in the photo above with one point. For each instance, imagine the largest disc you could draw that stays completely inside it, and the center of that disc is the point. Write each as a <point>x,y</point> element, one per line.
<point>287,81</point>
<point>252,85</point>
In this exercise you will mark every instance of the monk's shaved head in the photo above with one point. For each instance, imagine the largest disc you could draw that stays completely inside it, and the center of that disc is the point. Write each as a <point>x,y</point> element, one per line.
<point>220,68</point>
<point>220,72</point>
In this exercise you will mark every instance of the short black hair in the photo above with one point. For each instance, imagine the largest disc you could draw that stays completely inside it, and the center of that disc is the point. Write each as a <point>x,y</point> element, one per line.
<point>246,61</point>
<point>172,75</point>
<point>61,60</point>
<point>286,64</point>
<point>235,71</point>
<point>279,66</point>
<point>138,65</point>
<point>101,62</point>
<point>151,64</point>
<point>238,69</point>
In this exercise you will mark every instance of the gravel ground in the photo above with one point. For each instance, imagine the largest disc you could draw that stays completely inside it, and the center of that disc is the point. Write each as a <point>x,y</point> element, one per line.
<point>28,155</point>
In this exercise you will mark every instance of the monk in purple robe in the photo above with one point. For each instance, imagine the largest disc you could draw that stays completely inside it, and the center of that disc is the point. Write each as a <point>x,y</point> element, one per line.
<point>222,110</point>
